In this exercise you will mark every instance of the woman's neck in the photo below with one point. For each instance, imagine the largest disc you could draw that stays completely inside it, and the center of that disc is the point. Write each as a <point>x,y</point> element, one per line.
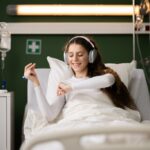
<point>81,75</point>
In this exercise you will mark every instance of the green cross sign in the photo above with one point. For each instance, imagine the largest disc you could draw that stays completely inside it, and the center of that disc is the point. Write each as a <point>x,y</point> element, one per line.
<point>33,46</point>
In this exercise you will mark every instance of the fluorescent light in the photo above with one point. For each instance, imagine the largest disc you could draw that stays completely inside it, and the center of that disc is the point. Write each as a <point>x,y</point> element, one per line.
<point>72,10</point>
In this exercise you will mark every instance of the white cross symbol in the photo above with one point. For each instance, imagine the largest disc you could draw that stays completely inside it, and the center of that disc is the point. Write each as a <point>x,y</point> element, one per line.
<point>34,47</point>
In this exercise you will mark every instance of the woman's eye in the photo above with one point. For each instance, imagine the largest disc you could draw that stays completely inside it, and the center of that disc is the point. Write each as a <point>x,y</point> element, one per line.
<point>70,55</point>
<point>80,55</point>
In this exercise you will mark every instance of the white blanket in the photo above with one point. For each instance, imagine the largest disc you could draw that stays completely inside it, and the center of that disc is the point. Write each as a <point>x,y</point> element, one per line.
<point>83,111</point>
<point>41,129</point>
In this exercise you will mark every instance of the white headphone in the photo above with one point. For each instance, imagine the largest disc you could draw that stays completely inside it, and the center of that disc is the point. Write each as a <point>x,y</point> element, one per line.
<point>92,53</point>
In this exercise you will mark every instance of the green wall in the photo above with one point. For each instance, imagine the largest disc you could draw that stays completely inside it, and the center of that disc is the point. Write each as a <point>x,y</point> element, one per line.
<point>114,48</point>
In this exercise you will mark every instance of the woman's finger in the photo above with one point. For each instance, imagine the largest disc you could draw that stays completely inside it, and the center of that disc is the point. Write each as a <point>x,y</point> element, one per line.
<point>30,66</point>
<point>27,65</point>
<point>60,92</point>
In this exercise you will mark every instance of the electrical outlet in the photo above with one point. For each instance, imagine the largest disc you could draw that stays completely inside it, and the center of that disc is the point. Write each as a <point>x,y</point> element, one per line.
<point>147,27</point>
<point>143,29</point>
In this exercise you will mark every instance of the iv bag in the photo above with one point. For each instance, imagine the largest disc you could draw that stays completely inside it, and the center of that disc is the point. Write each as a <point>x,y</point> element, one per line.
<point>5,38</point>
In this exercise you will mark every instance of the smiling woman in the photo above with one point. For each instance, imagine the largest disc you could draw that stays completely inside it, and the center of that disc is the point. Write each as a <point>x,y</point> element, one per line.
<point>82,55</point>
<point>90,75</point>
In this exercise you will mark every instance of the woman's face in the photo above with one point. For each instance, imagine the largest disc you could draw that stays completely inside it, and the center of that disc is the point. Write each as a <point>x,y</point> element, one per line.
<point>78,59</point>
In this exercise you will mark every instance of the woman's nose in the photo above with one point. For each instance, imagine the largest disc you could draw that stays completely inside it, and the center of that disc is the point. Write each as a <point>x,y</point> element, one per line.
<point>75,57</point>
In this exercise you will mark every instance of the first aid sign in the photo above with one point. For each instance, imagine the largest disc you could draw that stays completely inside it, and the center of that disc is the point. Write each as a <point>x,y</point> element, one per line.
<point>33,46</point>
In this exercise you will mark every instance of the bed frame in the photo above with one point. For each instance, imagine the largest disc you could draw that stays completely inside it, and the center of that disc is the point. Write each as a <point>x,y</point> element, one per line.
<point>71,140</point>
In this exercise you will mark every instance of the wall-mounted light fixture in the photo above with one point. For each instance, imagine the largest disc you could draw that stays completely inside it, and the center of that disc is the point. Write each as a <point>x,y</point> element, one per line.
<point>72,10</point>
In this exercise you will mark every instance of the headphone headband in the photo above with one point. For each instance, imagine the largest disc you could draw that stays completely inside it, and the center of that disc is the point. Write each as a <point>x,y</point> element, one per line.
<point>85,38</point>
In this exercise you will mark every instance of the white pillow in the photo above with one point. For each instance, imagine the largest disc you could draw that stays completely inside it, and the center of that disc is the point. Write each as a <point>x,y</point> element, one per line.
<point>123,70</point>
<point>59,71</point>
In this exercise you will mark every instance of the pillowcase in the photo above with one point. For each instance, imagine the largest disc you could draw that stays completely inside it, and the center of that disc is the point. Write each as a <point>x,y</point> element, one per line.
<point>59,71</point>
<point>123,70</point>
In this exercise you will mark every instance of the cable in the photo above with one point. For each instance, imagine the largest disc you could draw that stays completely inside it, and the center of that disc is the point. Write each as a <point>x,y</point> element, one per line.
<point>133,35</point>
<point>142,60</point>
<point>138,25</point>
<point>3,81</point>
<point>149,23</point>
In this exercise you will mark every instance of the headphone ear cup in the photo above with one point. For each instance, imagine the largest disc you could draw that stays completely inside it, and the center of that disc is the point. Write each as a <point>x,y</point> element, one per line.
<point>92,55</point>
<point>65,58</point>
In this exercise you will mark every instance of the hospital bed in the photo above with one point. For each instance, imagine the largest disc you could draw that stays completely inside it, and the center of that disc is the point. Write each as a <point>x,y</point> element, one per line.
<point>86,138</point>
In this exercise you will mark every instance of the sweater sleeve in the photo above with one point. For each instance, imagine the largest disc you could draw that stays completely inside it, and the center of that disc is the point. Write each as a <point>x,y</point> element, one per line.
<point>50,112</point>
<point>97,82</point>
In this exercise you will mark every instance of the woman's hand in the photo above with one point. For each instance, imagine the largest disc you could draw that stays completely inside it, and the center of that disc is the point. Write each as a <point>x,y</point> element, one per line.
<point>29,73</point>
<point>63,89</point>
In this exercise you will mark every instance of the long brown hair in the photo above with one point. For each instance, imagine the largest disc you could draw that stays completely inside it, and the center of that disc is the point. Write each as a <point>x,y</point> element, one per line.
<point>118,92</point>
